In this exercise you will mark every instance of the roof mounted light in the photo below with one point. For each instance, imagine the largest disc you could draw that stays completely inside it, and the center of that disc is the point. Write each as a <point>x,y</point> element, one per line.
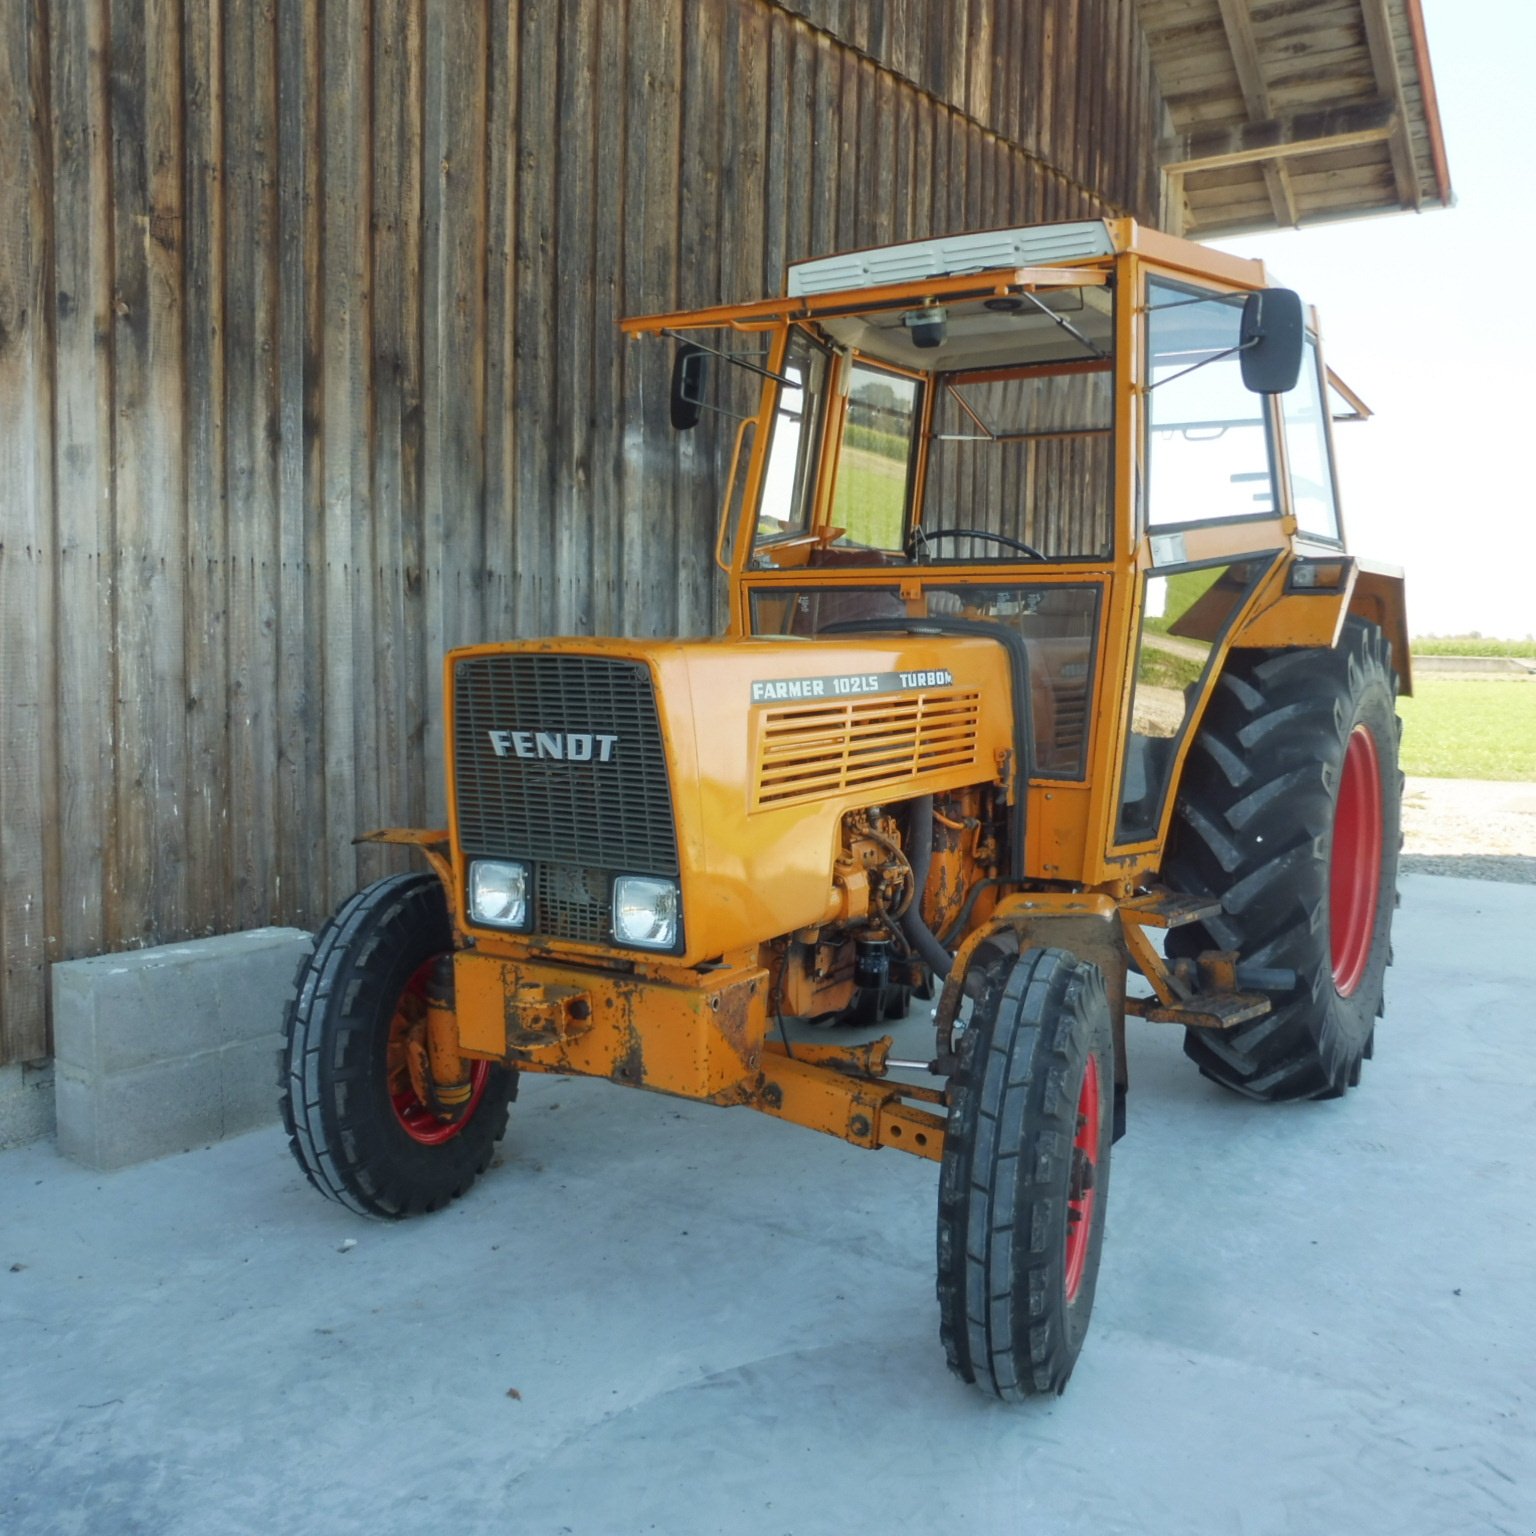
<point>927,327</point>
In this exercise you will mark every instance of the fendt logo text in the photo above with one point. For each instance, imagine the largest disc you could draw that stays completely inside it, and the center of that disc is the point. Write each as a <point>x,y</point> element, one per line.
<point>555,746</point>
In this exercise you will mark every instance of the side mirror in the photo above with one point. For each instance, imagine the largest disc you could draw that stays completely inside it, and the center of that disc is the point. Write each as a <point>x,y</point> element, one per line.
<point>1271,341</point>
<point>688,369</point>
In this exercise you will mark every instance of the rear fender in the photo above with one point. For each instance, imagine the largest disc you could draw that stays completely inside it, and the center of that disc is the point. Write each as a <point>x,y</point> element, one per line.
<point>1292,615</point>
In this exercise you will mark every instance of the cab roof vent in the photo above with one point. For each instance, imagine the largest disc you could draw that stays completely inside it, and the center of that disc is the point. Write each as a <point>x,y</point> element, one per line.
<point>949,255</point>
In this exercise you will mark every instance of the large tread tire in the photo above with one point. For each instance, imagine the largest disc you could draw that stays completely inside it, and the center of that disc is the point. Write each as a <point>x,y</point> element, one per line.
<point>1030,1113</point>
<point>1256,826</point>
<point>343,1126</point>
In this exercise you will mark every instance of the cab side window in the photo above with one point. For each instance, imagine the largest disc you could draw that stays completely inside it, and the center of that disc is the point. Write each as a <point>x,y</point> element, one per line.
<point>874,469</point>
<point>1306,446</point>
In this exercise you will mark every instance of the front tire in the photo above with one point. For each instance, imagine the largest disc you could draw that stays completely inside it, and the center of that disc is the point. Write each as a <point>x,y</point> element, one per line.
<point>355,1123</point>
<point>1290,814</point>
<point>1025,1176</point>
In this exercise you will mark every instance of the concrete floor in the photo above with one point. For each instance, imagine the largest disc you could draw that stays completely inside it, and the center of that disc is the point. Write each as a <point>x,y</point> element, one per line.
<point>658,1317</point>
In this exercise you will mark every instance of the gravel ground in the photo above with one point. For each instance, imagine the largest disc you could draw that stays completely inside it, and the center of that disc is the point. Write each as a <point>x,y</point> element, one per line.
<point>1470,829</point>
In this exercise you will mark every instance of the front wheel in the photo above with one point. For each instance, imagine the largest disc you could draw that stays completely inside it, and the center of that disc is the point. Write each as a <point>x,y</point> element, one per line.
<point>1025,1176</point>
<point>357,1123</point>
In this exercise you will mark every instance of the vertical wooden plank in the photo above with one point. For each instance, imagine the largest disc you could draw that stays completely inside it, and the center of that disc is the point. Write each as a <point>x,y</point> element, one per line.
<point>609,354</point>
<point>980,52</point>
<point>538,133</point>
<point>400,662</point>
<point>902,170</point>
<point>301,864</point>
<point>249,176</point>
<point>343,494</point>
<point>149,902</point>
<point>574,512</point>
<point>800,157</point>
<point>925,120</point>
<point>1049,63</point>
<point>82,469</point>
<point>1086,39</point>
<point>821,172</point>
<point>778,196</point>
<point>703,228</point>
<point>453,285</point>
<point>501,140</point>
<point>650,194</point>
<point>957,215</point>
<point>747,87</point>
<point>976,147</point>
<point>204,535</point>
<point>26,451</point>
<point>875,169</point>
<point>1028,76</point>
<point>1000,62</point>
<point>851,220</point>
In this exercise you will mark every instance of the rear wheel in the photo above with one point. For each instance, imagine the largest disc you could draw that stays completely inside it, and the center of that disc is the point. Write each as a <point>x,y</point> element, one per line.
<point>353,1106</point>
<point>1025,1175</point>
<point>1290,814</point>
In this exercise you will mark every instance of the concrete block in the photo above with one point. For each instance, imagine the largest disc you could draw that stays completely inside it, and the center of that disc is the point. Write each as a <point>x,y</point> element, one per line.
<point>26,1102</point>
<point>248,1084</point>
<point>162,1049</point>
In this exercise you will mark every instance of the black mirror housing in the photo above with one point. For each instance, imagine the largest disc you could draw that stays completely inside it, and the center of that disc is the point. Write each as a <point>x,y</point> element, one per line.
<point>688,373</point>
<point>1272,339</point>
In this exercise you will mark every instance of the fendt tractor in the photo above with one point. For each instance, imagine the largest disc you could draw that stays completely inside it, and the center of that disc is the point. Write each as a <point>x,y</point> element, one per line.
<point>1049,696</point>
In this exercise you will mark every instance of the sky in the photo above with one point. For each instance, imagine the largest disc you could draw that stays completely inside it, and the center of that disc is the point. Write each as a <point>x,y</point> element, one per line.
<point>1423,317</point>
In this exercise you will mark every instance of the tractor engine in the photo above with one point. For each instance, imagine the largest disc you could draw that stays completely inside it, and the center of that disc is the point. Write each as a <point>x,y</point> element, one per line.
<point>905,869</point>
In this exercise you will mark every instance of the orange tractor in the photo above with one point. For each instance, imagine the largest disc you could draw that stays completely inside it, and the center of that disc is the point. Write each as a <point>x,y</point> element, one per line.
<point>1046,671</point>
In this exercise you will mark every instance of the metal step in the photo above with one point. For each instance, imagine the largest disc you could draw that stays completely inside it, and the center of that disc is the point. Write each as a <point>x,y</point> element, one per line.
<point>1213,1010</point>
<point>1164,909</point>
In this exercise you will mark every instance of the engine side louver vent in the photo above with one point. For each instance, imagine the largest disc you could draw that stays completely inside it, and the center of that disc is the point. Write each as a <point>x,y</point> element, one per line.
<point>808,751</point>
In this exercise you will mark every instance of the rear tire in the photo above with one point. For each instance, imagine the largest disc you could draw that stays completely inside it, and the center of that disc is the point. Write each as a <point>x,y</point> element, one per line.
<point>1025,1176</point>
<point>1290,814</point>
<point>355,1124</point>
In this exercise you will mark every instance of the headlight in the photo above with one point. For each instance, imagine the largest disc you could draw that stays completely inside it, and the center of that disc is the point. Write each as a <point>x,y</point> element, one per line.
<point>498,893</point>
<point>645,912</point>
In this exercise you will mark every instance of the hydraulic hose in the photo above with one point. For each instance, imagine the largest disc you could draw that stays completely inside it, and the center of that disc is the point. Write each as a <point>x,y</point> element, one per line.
<point>920,857</point>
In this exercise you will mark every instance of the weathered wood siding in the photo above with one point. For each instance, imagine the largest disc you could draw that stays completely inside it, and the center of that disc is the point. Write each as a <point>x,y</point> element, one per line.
<point>309,371</point>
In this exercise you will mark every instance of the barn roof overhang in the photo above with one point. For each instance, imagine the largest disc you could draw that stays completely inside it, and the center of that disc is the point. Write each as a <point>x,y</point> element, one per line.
<point>1291,112</point>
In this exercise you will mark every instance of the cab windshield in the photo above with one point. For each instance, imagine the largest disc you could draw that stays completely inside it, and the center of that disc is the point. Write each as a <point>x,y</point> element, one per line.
<point>1013,396</point>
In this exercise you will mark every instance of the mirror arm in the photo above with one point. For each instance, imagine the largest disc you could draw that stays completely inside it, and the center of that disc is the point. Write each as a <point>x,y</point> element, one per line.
<point>1215,357</point>
<point>732,357</point>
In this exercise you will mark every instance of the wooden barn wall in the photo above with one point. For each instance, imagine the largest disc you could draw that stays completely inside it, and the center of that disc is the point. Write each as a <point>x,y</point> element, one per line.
<point>309,371</point>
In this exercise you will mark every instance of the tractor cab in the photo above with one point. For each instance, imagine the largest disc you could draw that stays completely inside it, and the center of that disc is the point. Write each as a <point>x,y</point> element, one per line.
<point>1107,443</point>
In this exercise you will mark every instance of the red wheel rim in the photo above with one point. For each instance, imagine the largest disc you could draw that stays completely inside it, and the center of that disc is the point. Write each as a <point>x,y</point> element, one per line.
<point>1081,1192</point>
<point>1354,871</point>
<point>418,1120</point>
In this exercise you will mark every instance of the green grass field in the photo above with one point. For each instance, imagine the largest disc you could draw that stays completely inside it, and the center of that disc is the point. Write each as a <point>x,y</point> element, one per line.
<point>870,497</point>
<point>1473,645</point>
<point>1470,728</point>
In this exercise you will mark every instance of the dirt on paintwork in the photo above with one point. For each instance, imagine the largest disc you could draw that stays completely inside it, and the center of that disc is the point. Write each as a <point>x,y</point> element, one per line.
<point>1471,829</point>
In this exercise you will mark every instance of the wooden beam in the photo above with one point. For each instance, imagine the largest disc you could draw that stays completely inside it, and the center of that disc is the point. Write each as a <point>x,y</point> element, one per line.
<point>1238,23</point>
<point>1389,82</point>
<point>1296,133</point>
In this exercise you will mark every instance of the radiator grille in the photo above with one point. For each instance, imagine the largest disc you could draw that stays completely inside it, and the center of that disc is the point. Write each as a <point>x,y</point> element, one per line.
<point>810,750</point>
<point>578,821</point>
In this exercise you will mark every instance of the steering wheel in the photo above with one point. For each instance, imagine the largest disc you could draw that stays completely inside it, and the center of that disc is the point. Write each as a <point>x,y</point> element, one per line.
<point>921,538</point>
